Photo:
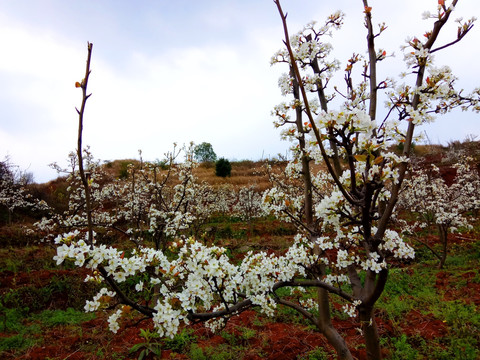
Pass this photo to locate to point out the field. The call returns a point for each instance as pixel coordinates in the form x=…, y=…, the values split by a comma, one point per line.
x=424, y=312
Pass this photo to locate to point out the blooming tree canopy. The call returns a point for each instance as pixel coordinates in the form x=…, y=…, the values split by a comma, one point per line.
x=344, y=245
x=433, y=202
x=13, y=194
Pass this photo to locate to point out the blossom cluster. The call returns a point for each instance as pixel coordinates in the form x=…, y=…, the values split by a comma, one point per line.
x=13, y=192
x=428, y=195
x=200, y=279
x=154, y=201
x=248, y=204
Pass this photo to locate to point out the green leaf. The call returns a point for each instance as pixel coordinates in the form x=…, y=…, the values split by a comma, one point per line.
x=136, y=347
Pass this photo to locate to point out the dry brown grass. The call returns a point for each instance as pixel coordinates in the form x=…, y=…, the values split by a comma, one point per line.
x=244, y=173
x=116, y=167
x=425, y=150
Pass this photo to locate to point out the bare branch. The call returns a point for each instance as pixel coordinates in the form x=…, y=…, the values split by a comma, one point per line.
x=86, y=186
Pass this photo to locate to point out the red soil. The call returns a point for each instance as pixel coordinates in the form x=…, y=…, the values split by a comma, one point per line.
x=272, y=340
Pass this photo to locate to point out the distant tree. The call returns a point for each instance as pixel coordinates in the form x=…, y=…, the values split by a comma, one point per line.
x=248, y=205
x=434, y=203
x=204, y=152
x=223, y=167
x=13, y=194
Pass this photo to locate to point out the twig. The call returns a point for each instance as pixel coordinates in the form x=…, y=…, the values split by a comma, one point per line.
x=81, y=112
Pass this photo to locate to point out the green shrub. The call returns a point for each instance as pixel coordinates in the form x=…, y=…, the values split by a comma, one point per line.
x=180, y=341
x=18, y=342
x=223, y=167
x=403, y=350
x=149, y=346
x=317, y=354
x=30, y=297
x=223, y=352
x=123, y=172
x=60, y=293
x=463, y=349
x=60, y=317
x=196, y=353
x=224, y=233
x=11, y=319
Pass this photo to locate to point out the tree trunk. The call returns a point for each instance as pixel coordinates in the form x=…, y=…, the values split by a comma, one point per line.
x=370, y=332
x=338, y=343
x=443, y=232
x=325, y=326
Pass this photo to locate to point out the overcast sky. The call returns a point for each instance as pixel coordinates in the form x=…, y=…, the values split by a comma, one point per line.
x=180, y=71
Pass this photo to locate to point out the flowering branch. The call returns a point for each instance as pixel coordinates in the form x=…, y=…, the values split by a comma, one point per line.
x=422, y=54
x=296, y=71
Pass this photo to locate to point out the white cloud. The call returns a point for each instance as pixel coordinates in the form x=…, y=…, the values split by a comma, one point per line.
x=37, y=92
x=200, y=94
